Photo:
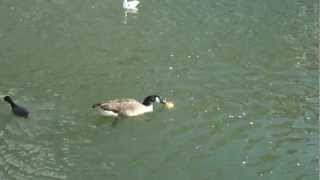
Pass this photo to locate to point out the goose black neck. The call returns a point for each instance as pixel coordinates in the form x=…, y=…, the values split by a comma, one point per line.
x=147, y=102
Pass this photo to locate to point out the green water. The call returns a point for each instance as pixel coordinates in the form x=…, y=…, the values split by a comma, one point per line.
x=243, y=76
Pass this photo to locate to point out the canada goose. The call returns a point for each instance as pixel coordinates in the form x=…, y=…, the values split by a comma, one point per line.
x=130, y=5
x=16, y=109
x=128, y=107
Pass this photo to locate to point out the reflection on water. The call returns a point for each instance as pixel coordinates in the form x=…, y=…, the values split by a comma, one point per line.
x=127, y=13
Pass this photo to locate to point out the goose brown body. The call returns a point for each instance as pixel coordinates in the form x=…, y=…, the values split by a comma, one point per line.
x=123, y=107
x=128, y=107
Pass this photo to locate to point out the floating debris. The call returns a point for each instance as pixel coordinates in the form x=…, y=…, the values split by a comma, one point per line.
x=230, y=116
x=169, y=104
x=298, y=164
x=198, y=147
x=92, y=126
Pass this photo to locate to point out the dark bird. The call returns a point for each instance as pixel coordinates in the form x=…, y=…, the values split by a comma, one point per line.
x=16, y=109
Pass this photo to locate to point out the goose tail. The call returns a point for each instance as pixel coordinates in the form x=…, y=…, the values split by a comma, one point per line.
x=96, y=105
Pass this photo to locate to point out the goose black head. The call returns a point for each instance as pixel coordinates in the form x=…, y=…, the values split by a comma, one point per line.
x=152, y=99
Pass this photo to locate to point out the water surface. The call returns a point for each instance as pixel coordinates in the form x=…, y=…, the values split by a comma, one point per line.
x=242, y=74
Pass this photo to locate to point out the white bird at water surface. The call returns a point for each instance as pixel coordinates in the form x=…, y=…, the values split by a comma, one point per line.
x=130, y=5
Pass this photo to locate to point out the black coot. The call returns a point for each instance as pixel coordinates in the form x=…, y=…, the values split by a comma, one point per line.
x=16, y=109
